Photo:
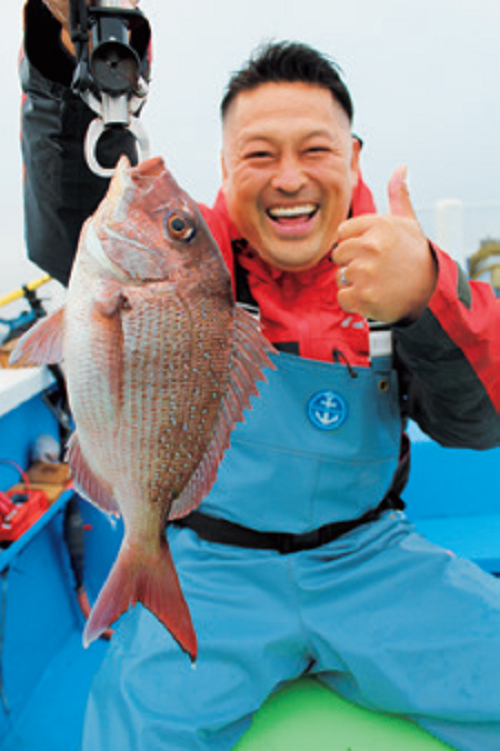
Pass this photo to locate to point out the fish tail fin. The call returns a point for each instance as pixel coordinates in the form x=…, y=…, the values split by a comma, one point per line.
x=152, y=582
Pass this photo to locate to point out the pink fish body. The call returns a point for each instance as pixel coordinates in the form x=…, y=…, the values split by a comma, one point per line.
x=159, y=364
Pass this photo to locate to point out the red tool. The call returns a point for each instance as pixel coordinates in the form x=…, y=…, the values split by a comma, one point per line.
x=20, y=510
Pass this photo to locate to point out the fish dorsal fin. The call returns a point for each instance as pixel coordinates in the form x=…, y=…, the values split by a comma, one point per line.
x=42, y=343
x=86, y=483
x=250, y=355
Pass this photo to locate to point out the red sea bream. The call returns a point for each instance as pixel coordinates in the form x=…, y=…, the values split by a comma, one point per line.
x=160, y=364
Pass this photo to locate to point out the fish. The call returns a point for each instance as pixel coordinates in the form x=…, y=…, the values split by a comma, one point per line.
x=160, y=364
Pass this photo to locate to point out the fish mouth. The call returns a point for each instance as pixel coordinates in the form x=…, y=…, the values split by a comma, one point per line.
x=297, y=213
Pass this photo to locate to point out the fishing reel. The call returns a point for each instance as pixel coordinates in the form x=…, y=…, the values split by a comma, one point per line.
x=110, y=42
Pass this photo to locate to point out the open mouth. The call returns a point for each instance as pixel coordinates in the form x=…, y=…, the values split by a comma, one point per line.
x=293, y=214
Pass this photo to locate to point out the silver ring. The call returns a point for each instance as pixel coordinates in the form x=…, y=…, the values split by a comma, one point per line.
x=342, y=276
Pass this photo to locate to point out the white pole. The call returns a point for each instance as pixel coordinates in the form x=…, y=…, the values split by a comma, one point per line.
x=449, y=228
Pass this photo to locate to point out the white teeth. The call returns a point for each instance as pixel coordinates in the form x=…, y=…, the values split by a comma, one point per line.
x=292, y=211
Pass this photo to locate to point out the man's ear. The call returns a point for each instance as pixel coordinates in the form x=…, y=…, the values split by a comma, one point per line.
x=223, y=167
x=356, y=150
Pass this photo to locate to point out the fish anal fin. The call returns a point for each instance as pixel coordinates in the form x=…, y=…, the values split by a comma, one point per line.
x=251, y=350
x=86, y=483
x=42, y=343
x=149, y=578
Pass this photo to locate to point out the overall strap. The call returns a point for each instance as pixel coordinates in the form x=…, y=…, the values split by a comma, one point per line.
x=224, y=532
x=380, y=340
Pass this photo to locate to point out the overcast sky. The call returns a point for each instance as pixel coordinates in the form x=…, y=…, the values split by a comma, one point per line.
x=424, y=76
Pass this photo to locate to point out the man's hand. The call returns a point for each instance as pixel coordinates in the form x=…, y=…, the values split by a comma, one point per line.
x=386, y=268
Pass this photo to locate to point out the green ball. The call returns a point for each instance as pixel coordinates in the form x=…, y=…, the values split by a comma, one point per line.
x=306, y=715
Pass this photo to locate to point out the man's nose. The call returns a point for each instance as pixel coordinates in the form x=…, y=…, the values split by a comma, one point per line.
x=289, y=176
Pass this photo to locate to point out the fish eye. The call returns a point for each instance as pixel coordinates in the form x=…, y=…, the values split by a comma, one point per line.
x=180, y=227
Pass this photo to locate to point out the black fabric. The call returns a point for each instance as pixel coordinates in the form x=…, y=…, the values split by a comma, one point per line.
x=223, y=532
x=43, y=44
x=440, y=390
x=291, y=348
x=243, y=292
x=60, y=191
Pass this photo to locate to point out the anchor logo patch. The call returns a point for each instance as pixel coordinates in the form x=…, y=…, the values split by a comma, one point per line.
x=327, y=410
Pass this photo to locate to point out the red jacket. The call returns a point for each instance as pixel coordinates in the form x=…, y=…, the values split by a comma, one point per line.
x=298, y=309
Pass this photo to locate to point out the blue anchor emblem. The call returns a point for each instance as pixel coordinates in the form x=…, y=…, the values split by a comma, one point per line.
x=327, y=410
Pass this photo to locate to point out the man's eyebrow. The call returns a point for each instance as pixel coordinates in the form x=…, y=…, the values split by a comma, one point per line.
x=321, y=133
x=259, y=135
x=250, y=138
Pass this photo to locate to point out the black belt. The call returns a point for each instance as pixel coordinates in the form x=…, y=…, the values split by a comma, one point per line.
x=225, y=532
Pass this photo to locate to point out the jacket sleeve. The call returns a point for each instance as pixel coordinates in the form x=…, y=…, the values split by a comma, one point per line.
x=60, y=191
x=449, y=362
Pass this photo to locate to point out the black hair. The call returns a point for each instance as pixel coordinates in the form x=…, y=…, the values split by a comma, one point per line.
x=291, y=62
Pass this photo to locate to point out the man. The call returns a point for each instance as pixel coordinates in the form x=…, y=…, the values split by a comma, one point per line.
x=300, y=559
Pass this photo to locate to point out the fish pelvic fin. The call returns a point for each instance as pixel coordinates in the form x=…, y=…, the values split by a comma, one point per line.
x=148, y=578
x=85, y=481
x=42, y=343
x=250, y=355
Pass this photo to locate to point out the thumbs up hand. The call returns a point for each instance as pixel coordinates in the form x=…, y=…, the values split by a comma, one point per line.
x=386, y=268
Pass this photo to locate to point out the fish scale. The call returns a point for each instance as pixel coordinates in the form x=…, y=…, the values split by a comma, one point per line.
x=168, y=417
x=160, y=365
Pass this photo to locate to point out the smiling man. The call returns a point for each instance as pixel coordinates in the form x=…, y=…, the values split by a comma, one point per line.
x=301, y=560
x=289, y=167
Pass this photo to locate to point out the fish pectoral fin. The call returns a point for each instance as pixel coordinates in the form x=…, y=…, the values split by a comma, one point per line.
x=109, y=298
x=108, y=317
x=86, y=483
x=42, y=343
x=148, y=578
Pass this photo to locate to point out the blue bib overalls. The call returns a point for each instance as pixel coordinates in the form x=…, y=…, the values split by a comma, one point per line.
x=379, y=614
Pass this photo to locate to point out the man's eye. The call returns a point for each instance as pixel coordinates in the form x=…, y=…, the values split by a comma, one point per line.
x=258, y=155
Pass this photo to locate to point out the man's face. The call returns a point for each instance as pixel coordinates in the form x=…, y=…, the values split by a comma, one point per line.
x=289, y=165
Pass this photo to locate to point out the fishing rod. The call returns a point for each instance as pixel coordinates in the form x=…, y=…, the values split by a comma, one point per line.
x=110, y=41
x=11, y=328
x=21, y=292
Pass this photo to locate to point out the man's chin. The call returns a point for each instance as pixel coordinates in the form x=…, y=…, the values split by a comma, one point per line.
x=292, y=261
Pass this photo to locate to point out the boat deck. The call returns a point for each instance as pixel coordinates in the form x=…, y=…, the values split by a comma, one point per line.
x=45, y=671
x=53, y=715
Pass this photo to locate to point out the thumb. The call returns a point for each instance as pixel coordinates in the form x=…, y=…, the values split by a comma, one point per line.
x=399, y=195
